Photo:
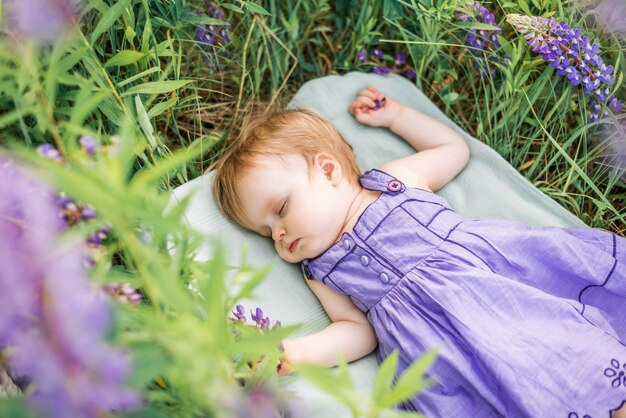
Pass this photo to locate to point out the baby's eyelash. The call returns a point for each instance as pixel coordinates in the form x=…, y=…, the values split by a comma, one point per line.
x=282, y=208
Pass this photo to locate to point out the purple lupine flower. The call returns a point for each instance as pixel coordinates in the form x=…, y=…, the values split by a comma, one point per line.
x=87, y=212
x=41, y=20
x=50, y=152
x=240, y=313
x=211, y=35
x=52, y=318
x=480, y=41
x=362, y=56
x=261, y=322
x=573, y=56
x=124, y=292
x=378, y=104
x=378, y=53
x=400, y=58
x=381, y=70
x=410, y=74
x=89, y=144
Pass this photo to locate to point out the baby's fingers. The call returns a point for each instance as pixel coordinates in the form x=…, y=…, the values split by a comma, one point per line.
x=363, y=116
x=367, y=102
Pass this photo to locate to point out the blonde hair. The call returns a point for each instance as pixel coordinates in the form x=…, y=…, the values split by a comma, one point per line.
x=277, y=133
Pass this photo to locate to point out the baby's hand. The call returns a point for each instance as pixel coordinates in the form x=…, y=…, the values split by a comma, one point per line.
x=374, y=109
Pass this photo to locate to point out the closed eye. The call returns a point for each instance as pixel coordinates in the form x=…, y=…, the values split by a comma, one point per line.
x=282, y=208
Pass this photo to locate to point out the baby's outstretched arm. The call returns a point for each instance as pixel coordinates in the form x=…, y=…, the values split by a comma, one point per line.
x=442, y=151
x=350, y=335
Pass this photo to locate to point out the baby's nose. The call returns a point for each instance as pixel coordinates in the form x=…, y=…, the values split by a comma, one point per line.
x=279, y=234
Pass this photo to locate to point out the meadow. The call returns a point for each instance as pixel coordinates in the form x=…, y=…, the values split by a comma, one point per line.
x=106, y=106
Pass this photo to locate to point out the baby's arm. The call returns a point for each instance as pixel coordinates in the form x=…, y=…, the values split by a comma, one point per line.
x=442, y=151
x=350, y=335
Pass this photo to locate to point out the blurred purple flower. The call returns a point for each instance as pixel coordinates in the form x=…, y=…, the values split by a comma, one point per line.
x=260, y=321
x=381, y=70
x=99, y=236
x=89, y=144
x=52, y=318
x=262, y=401
x=88, y=212
x=240, y=313
x=50, y=152
x=124, y=292
x=41, y=20
x=483, y=43
x=573, y=56
x=612, y=14
x=379, y=63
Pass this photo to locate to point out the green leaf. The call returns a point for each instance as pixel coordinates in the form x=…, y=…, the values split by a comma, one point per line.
x=124, y=57
x=146, y=178
x=157, y=87
x=477, y=25
x=412, y=380
x=86, y=104
x=232, y=7
x=108, y=19
x=144, y=122
x=206, y=20
x=138, y=76
x=255, y=8
x=385, y=376
x=130, y=34
x=161, y=107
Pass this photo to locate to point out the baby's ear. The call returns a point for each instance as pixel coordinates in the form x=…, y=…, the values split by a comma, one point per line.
x=330, y=167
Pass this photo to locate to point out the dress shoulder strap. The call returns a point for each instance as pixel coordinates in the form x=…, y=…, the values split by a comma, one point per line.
x=380, y=181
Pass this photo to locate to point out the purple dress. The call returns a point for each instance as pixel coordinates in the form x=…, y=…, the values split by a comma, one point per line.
x=528, y=322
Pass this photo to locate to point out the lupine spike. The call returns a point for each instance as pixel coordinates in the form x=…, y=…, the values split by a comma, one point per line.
x=50, y=315
x=573, y=56
x=479, y=40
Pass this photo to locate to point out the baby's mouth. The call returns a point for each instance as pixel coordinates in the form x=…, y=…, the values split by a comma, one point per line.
x=294, y=245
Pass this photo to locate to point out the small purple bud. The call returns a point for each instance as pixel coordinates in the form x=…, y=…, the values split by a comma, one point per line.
x=49, y=151
x=88, y=212
x=240, y=313
x=615, y=105
x=410, y=74
x=89, y=144
x=400, y=58
x=362, y=56
x=381, y=70
x=257, y=315
x=378, y=53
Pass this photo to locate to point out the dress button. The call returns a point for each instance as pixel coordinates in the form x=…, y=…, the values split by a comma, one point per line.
x=365, y=260
x=384, y=277
x=394, y=186
x=347, y=244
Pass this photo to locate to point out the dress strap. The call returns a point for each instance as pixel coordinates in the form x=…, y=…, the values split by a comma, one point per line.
x=381, y=182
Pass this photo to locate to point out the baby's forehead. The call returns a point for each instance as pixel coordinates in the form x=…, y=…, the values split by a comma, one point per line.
x=278, y=162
